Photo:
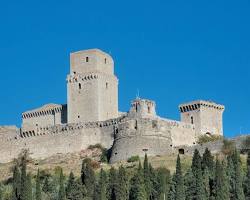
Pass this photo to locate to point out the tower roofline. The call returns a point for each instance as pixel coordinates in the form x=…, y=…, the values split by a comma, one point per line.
x=94, y=50
x=193, y=105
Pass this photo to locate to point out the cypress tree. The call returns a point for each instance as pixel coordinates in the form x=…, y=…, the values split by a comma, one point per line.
x=190, y=185
x=155, y=183
x=28, y=188
x=247, y=181
x=38, y=186
x=61, y=193
x=231, y=176
x=88, y=177
x=239, y=193
x=70, y=184
x=206, y=183
x=138, y=191
x=23, y=180
x=221, y=183
x=101, y=187
x=122, y=187
x=236, y=177
x=180, y=192
x=1, y=192
x=112, y=184
x=208, y=161
x=74, y=188
x=147, y=175
x=161, y=186
x=199, y=192
x=16, y=185
x=172, y=189
x=47, y=186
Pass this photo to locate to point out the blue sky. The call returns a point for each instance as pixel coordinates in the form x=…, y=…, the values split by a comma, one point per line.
x=171, y=51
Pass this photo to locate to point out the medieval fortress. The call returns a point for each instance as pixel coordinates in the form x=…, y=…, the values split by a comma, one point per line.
x=91, y=116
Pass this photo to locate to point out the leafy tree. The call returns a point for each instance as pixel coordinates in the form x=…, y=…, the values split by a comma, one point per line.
x=16, y=185
x=221, y=182
x=38, y=186
x=180, y=192
x=122, y=187
x=138, y=191
x=88, y=177
x=61, y=193
x=247, y=181
x=112, y=184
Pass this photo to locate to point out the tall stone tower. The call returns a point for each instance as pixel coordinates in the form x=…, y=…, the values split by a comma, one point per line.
x=207, y=117
x=92, y=87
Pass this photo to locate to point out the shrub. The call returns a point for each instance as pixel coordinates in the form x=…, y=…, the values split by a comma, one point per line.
x=96, y=146
x=133, y=159
x=228, y=147
x=209, y=138
x=246, y=145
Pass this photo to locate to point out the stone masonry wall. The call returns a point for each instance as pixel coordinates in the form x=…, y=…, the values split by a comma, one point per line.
x=63, y=139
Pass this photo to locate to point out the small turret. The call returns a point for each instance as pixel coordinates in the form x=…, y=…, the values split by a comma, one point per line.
x=142, y=108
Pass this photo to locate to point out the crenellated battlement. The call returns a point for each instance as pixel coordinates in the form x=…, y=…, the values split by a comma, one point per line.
x=48, y=109
x=195, y=105
x=59, y=129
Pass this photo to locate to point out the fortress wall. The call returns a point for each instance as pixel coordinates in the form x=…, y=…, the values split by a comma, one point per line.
x=140, y=136
x=212, y=121
x=42, y=120
x=48, y=115
x=57, y=139
x=155, y=136
x=181, y=133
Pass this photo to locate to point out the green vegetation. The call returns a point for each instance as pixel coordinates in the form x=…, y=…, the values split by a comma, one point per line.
x=207, y=178
x=133, y=159
x=228, y=147
x=209, y=138
x=246, y=144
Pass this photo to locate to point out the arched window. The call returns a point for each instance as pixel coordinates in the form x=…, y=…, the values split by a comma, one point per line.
x=105, y=60
x=107, y=85
x=80, y=86
x=87, y=59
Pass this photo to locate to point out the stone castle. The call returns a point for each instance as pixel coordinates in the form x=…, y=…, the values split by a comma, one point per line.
x=91, y=116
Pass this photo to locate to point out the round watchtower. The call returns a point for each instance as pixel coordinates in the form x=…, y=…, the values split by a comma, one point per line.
x=142, y=108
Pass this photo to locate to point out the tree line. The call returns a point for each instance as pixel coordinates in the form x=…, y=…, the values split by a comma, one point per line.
x=208, y=178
